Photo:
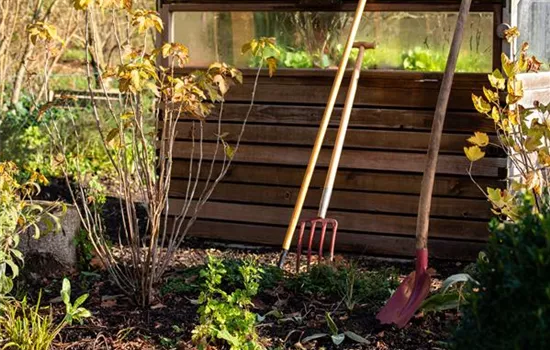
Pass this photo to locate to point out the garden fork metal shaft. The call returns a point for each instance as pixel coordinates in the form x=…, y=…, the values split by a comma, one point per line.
x=332, y=170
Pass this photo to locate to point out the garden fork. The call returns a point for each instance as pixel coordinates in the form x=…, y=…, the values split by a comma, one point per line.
x=321, y=133
x=321, y=220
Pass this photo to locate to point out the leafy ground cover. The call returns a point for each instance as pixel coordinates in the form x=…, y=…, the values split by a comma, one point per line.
x=289, y=308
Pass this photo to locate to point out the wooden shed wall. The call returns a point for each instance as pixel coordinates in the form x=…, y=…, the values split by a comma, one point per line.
x=377, y=187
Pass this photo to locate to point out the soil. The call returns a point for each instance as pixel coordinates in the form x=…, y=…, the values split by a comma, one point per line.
x=118, y=324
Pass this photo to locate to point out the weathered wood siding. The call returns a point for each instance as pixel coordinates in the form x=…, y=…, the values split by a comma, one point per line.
x=377, y=187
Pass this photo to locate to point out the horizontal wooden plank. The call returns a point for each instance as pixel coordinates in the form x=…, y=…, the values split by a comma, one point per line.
x=375, y=88
x=347, y=179
x=341, y=200
x=361, y=117
x=367, y=160
x=367, y=95
x=356, y=222
x=371, y=244
x=305, y=136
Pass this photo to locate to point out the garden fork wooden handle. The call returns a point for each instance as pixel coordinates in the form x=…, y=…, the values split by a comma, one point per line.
x=342, y=130
x=322, y=131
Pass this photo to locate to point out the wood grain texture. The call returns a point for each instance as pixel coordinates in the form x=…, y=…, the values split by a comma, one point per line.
x=276, y=135
x=361, y=117
x=347, y=179
x=341, y=200
x=351, y=159
x=356, y=222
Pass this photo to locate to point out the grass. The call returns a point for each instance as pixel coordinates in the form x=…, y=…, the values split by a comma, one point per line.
x=68, y=82
x=74, y=55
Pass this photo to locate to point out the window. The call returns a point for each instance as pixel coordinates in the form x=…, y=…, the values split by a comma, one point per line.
x=405, y=40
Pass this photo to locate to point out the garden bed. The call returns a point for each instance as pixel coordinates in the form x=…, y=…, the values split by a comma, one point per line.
x=300, y=303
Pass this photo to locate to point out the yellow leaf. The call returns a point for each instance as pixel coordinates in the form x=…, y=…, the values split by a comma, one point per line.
x=534, y=181
x=271, y=65
x=515, y=91
x=511, y=34
x=495, y=196
x=81, y=4
x=146, y=19
x=497, y=80
x=480, y=104
x=474, y=153
x=544, y=157
x=491, y=95
x=480, y=139
x=495, y=114
x=510, y=67
x=532, y=143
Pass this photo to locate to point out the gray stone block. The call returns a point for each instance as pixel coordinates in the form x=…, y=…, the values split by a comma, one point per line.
x=54, y=253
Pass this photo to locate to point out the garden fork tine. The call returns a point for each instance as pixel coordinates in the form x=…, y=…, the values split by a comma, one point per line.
x=333, y=169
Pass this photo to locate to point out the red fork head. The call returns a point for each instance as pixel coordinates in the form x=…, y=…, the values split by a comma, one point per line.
x=314, y=225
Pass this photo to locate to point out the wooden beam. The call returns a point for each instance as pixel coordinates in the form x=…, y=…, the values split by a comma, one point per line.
x=347, y=179
x=348, y=221
x=341, y=200
x=351, y=159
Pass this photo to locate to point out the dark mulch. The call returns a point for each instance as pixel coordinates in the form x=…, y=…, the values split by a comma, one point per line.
x=118, y=324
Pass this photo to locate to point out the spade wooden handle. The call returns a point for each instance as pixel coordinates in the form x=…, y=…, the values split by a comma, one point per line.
x=424, y=205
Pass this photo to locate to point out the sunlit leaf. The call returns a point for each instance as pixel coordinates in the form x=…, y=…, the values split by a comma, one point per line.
x=497, y=80
x=495, y=114
x=480, y=104
x=474, y=153
x=147, y=19
x=511, y=33
x=81, y=4
x=532, y=143
x=515, y=91
x=480, y=139
x=509, y=67
x=490, y=95
x=271, y=65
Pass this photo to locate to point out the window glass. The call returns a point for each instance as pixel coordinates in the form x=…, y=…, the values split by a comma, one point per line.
x=405, y=40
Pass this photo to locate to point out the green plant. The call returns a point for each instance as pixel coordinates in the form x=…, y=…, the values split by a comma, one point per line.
x=188, y=282
x=451, y=295
x=24, y=327
x=190, y=279
x=511, y=307
x=335, y=335
x=420, y=59
x=225, y=316
x=347, y=283
x=17, y=214
x=522, y=132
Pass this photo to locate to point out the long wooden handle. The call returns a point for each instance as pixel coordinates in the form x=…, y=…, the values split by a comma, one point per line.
x=323, y=126
x=424, y=206
x=342, y=130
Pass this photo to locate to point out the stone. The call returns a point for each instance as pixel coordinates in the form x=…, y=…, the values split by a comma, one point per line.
x=54, y=253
